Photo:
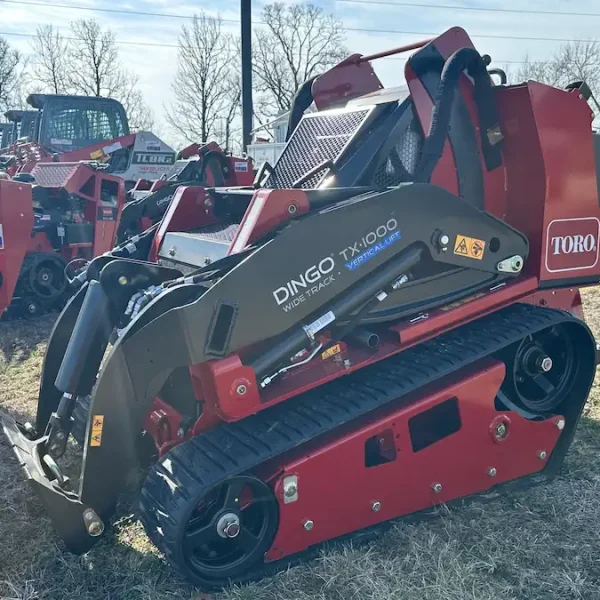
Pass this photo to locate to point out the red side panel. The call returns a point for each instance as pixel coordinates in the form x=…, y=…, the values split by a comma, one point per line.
x=267, y=210
x=525, y=174
x=551, y=181
x=241, y=172
x=107, y=215
x=16, y=223
x=190, y=208
x=413, y=473
x=571, y=227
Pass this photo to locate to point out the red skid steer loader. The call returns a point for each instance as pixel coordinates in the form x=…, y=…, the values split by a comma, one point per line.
x=395, y=305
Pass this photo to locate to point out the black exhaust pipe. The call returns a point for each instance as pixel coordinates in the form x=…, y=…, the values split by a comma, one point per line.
x=354, y=298
x=366, y=338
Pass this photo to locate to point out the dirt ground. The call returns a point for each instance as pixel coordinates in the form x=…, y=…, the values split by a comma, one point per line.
x=538, y=545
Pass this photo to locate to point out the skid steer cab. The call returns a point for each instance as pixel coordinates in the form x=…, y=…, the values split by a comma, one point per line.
x=394, y=302
x=82, y=128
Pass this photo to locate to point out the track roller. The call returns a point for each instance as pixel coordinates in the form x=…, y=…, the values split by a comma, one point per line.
x=211, y=537
x=544, y=367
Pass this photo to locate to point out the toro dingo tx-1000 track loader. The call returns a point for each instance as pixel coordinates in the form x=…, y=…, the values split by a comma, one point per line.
x=396, y=305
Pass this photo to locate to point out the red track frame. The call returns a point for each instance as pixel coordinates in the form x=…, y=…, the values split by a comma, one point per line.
x=336, y=470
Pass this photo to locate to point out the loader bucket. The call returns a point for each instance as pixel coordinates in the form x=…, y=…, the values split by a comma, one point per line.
x=16, y=224
x=67, y=513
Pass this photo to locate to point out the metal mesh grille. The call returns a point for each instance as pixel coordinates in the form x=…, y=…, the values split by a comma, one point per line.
x=221, y=232
x=405, y=153
x=53, y=174
x=316, y=139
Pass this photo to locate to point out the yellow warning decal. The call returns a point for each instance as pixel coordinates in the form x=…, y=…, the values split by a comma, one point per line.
x=97, y=425
x=331, y=352
x=469, y=247
x=96, y=155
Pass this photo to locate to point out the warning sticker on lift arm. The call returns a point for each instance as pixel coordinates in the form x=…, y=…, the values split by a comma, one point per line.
x=469, y=247
x=97, y=425
x=331, y=352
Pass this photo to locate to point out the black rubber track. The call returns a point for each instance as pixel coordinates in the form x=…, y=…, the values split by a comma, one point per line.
x=189, y=471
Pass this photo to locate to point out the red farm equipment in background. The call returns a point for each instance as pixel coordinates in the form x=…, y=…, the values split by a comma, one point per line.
x=81, y=128
x=71, y=213
x=81, y=212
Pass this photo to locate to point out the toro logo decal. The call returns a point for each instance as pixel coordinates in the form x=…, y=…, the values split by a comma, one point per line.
x=572, y=244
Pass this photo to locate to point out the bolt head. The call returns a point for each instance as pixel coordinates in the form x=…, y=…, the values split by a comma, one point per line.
x=241, y=389
x=60, y=435
x=516, y=264
x=436, y=487
x=444, y=240
x=208, y=202
x=123, y=280
x=376, y=506
x=95, y=528
x=93, y=524
x=231, y=530
x=308, y=525
x=560, y=423
x=290, y=489
x=546, y=364
x=54, y=450
x=292, y=209
x=492, y=472
x=501, y=431
x=542, y=455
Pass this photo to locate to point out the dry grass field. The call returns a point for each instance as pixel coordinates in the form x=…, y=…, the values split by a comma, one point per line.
x=543, y=544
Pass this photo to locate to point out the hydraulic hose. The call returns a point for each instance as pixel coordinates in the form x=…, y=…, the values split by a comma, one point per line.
x=465, y=58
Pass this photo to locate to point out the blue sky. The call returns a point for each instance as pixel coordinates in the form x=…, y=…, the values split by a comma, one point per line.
x=156, y=65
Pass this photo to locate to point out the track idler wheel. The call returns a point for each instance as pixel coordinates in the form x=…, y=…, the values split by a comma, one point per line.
x=541, y=370
x=31, y=307
x=222, y=535
x=47, y=278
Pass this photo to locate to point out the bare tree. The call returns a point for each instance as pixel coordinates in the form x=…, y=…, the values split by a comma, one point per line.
x=95, y=68
x=206, y=95
x=299, y=41
x=12, y=65
x=50, y=59
x=572, y=61
x=139, y=114
x=234, y=95
x=88, y=63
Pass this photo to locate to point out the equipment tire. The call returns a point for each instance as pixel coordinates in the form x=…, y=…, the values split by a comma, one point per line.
x=182, y=519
